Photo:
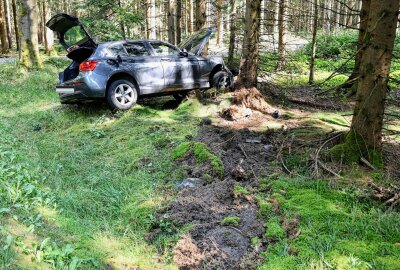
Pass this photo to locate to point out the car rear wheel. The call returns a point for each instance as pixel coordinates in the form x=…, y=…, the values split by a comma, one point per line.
x=122, y=95
x=221, y=81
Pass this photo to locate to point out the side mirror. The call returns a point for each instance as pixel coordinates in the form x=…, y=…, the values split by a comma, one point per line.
x=119, y=59
x=184, y=53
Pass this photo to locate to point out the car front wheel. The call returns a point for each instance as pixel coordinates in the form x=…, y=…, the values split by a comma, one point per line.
x=122, y=95
x=221, y=81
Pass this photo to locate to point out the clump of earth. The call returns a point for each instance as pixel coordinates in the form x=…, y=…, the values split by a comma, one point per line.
x=210, y=244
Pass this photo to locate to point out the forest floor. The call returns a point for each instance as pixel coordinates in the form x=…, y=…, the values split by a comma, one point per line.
x=87, y=189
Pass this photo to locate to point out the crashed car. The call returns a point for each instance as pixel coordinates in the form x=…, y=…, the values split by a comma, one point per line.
x=122, y=71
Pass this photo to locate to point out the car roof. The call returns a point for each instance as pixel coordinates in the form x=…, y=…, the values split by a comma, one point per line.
x=113, y=43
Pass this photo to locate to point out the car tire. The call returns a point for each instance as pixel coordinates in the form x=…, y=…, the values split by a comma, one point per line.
x=180, y=96
x=122, y=95
x=221, y=81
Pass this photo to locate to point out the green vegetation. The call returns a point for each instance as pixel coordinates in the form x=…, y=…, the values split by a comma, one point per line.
x=353, y=148
x=274, y=228
x=230, y=221
x=79, y=186
x=240, y=191
x=201, y=154
x=339, y=229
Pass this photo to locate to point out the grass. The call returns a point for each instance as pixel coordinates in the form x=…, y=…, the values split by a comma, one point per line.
x=339, y=230
x=87, y=180
x=80, y=187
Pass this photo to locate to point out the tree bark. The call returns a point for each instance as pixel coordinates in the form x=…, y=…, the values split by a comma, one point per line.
x=220, y=28
x=16, y=25
x=8, y=23
x=249, y=59
x=282, y=34
x=29, y=56
x=190, y=17
x=314, y=42
x=364, y=15
x=153, y=28
x=178, y=21
x=171, y=21
x=374, y=75
x=3, y=29
x=201, y=14
x=232, y=34
x=48, y=33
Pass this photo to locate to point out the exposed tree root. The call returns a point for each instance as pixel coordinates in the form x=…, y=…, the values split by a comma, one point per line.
x=389, y=195
x=253, y=99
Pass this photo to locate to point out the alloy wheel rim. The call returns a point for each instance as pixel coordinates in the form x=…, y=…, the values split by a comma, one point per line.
x=223, y=83
x=125, y=95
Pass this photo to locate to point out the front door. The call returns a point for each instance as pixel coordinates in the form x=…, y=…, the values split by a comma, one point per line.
x=179, y=71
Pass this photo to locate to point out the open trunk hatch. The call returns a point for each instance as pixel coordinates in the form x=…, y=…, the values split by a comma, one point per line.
x=73, y=36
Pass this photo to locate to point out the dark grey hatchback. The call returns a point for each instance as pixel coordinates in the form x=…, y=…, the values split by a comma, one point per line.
x=122, y=71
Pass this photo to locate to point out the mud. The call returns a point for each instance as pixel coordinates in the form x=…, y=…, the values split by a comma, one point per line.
x=210, y=245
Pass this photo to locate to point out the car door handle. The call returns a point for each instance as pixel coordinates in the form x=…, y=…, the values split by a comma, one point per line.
x=166, y=59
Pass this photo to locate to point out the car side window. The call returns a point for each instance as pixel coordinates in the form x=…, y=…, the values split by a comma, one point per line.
x=164, y=49
x=118, y=50
x=136, y=49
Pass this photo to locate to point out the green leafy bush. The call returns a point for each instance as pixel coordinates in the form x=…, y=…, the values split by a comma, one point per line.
x=340, y=45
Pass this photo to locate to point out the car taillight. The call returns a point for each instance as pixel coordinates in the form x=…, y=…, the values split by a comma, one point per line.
x=88, y=65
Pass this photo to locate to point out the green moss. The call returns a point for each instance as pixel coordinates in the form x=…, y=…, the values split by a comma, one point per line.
x=239, y=191
x=263, y=184
x=255, y=241
x=265, y=208
x=181, y=150
x=201, y=154
x=230, y=221
x=274, y=229
x=354, y=148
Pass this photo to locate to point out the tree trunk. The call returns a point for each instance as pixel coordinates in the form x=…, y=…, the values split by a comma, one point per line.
x=121, y=22
x=8, y=23
x=201, y=15
x=190, y=17
x=366, y=128
x=48, y=34
x=3, y=29
x=282, y=34
x=171, y=21
x=328, y=15
x=262, y=18
x=364, y=15
x=276, y=18
x=232, y=34
x=178, y=21
x=249, y=59
x=29, y=46
x=152, y=18
x=314, y=41
x=16, y=26
x=337, y=16
x=219, y=23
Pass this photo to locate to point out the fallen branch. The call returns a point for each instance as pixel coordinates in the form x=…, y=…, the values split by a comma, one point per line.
x=389, y=195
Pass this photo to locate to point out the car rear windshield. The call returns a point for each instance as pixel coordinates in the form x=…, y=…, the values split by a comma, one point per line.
x=75, y=36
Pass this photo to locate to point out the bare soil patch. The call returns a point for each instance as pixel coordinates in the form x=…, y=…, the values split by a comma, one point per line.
x=210, y=245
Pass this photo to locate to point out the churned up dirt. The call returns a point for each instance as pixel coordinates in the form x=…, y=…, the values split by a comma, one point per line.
x=209, y=244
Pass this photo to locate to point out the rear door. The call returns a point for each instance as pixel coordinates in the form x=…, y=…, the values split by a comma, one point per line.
x=179, y=71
